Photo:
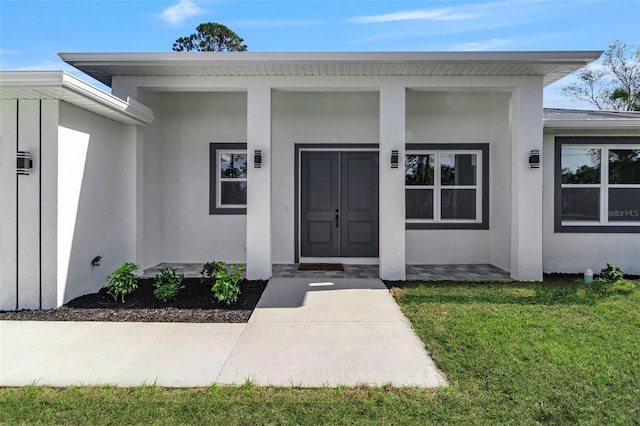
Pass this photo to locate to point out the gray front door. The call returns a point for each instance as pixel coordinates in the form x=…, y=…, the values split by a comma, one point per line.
x=339, y=204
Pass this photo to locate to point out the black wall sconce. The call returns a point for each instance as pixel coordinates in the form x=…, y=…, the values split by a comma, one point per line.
x=395, y=158
x=257, y=159
x=24, y=163
x=534, y=159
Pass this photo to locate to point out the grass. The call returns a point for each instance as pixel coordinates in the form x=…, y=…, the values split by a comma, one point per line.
x=515, y=353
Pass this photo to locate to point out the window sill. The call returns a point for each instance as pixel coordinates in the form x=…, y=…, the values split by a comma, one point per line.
x=443, y=225
x=234, y=210
x=597, y=229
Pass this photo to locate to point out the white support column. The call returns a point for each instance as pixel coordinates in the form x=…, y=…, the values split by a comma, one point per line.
x=259, y=183
x=526, y=183
x=138, y=243
x=392, y=210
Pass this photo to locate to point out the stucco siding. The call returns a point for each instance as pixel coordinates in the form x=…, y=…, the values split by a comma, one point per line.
x=177, y=174
x=96, y=199
x=575, y=252
x=464, y=117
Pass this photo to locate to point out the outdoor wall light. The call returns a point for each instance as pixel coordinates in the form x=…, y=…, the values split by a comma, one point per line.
x=394, y=159
x=24, y=163
x=534, y=159
x=257, y=159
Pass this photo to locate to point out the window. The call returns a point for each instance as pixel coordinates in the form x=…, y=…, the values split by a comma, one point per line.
x=597, y=184
x=444, y=186
x=228, y=179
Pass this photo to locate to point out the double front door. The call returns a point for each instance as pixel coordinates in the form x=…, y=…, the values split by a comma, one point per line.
x=339, y=204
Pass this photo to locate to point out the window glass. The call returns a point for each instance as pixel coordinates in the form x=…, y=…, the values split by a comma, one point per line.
x=233, y=165
x=624, y=204
x=581, y=204
x=624, y=166
x=458, y=169
x=581, y=165
x=458, y=204
x=419, y=203
x=233, y=193
x=419, y=169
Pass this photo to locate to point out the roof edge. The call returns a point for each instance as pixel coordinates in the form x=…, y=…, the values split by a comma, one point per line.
x=579, y=56
x=62, y=82
x=601, y=123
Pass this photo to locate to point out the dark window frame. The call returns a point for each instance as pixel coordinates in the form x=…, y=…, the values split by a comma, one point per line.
x=596, y=141
x=484, y=184
x=214, y=177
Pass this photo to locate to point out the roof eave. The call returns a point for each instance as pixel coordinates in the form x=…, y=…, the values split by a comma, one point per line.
x=66, y=87
x=564, y=62
x=592, y=124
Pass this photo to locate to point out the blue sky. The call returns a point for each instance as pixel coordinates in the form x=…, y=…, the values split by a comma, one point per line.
x=33, y=32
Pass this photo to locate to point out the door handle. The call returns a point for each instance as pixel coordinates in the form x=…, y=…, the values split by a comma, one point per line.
x=337, y=219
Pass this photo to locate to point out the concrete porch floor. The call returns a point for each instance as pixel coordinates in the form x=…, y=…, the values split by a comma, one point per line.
x=482, y=272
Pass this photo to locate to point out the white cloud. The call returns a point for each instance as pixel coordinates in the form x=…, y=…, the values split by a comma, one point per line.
x=279, y=23
x=44, y=65
x=9, y=51
x=477, y=46
x=445, y=14
x=181, y=11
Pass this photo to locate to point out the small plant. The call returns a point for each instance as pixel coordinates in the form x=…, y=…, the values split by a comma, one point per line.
x=226, y=288
x=224, y=284
x=123, y=281
x=167, y=284
x=611, y=281
x=210, y=272
x=611, y=274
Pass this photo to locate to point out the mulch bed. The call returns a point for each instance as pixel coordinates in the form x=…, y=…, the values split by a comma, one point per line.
x=195, y=303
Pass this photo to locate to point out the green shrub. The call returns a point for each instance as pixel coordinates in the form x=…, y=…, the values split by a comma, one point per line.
x=611, y=274
x=167, y=284
x=123, y=281
x=210, y=272
x=611, y=281
x=224, y=284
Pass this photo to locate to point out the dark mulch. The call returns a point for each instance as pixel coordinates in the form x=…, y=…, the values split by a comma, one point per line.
x=195, y=303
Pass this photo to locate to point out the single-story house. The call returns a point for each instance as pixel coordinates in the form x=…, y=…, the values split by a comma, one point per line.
x=267, y=158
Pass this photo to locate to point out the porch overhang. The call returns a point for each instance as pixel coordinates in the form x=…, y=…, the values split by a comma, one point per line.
x=552, y=66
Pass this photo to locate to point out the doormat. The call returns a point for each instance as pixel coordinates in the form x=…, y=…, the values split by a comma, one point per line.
x=320, y=267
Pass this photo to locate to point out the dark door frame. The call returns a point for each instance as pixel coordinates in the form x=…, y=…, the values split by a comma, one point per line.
x=317, y=147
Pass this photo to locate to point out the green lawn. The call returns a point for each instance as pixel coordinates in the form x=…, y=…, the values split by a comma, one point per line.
x=517, y=353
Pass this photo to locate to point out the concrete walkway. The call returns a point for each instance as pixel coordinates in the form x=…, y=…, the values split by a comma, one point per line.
x=302, y=333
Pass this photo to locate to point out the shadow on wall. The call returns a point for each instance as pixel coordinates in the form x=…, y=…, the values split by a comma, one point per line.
x=96, y=201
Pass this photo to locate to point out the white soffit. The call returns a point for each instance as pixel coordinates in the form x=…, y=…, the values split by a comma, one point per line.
x=551, y=65
x=62, y=86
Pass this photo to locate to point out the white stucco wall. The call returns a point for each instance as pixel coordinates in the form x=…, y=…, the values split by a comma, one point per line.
x=311, y=118
x=464, y=117
x=575, y=252
x=96, y=199
x=177, y=223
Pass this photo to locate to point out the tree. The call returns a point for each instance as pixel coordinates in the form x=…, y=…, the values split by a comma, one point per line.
x=617, y=86
x=211, y=37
